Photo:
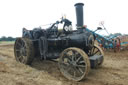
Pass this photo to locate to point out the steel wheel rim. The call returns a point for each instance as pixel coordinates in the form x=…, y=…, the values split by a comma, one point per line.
x=96, y=51
x=73, y=69
x=20, y=50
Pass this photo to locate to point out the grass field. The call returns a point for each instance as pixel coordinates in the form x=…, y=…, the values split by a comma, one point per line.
x=7, y=42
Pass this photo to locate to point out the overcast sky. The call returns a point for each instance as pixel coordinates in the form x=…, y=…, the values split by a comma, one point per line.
x=16, y=14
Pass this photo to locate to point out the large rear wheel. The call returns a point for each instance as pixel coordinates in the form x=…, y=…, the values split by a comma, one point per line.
x=24, y=50
x=74, y=64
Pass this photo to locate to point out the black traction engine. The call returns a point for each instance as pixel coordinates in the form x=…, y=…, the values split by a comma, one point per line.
x=75, y=50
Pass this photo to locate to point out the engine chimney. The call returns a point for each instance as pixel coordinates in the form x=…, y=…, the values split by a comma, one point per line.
x=79, y=15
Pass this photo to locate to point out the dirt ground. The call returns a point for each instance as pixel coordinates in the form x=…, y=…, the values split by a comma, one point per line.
x=113, y=72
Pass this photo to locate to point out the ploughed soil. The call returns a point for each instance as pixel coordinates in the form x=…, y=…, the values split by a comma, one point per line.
x=114, y=71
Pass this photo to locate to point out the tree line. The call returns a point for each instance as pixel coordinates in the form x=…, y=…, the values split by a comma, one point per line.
x=4, y=38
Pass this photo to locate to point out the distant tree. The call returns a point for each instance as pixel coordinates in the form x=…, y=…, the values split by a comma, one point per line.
x=4, y=38
x=118, y=34
x=10, y=39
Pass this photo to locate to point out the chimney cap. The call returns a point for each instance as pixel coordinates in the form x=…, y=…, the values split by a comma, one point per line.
x=79, y=4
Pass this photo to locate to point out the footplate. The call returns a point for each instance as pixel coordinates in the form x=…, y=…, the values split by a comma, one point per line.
x=95, y=60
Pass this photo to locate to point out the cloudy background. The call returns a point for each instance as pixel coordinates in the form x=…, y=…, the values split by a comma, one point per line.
x=16, y=14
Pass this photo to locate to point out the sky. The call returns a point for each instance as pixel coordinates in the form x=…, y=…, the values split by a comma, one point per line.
x=16, y=14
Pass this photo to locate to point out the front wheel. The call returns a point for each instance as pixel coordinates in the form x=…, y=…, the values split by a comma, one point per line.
x=74, y=64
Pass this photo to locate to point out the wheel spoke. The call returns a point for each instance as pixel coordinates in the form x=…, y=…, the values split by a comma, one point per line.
x=23, y=60
x=80, y=70
x=23, y=44
x=65, y=63
x=90, y=53
x=67, y=57
x=20, y=58
x=72, y=58
x=93, y=49
x=96, y=52
x=73, y=55
x=19, y=44
x=78, y=59
x=24, y=52
x=81, y=62
x=69, y=68
x=74, y=74
x=77, y=72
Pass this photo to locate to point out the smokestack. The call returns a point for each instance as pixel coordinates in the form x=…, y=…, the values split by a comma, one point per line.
x=79, y=15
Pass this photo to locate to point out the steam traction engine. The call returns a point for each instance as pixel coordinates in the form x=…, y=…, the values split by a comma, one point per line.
x=75, y=49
